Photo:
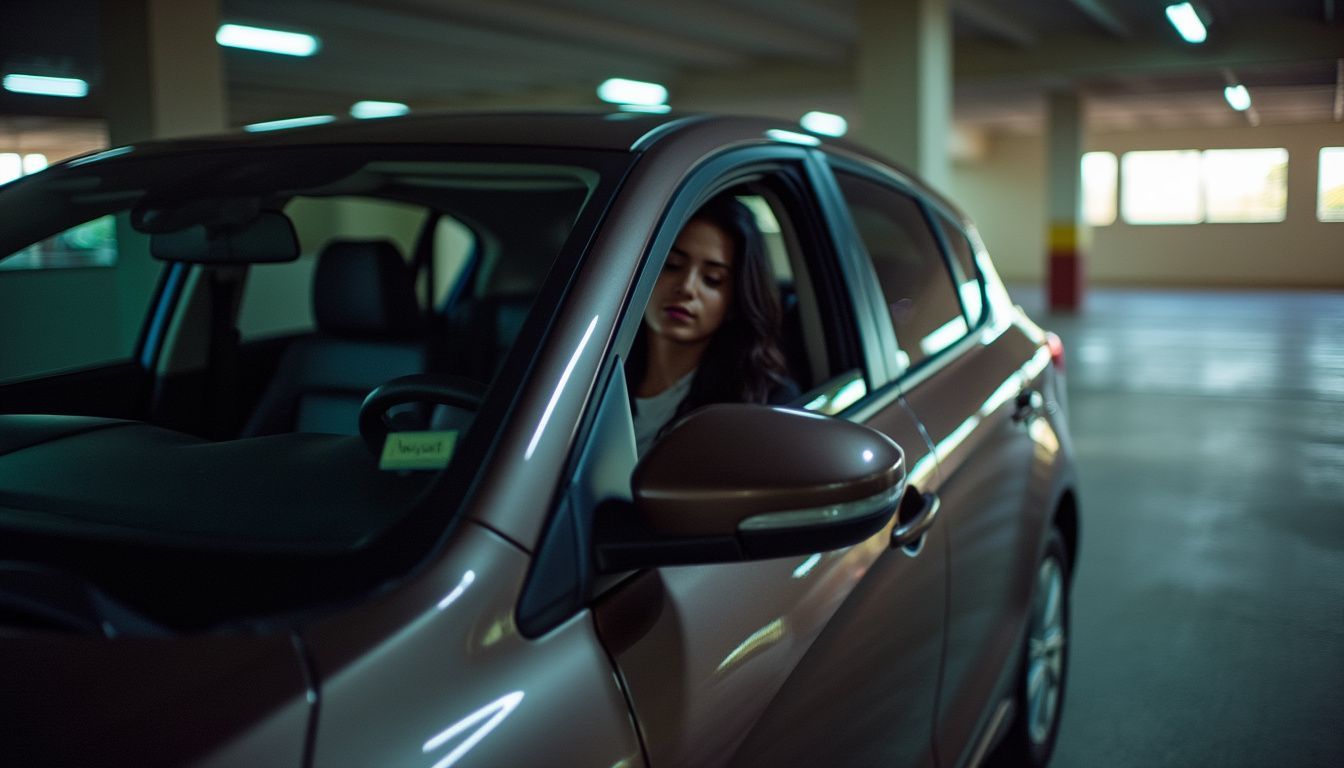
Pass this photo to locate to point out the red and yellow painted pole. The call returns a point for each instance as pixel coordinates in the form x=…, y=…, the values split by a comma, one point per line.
x=1064, y=152
x=1065, y=267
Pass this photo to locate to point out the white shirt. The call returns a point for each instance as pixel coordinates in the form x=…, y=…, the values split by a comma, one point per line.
x=651, y=413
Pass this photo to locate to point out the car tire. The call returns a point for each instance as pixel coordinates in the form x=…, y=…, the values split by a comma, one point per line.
x=1039, y=690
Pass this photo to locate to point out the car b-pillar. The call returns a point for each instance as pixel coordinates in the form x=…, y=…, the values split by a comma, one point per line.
x=1066, y=228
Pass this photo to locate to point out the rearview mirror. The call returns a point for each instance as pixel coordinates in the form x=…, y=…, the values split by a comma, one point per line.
x=749, y=482
x=267, y=237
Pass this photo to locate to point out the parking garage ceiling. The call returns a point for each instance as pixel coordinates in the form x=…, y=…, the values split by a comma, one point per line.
x=775, y=56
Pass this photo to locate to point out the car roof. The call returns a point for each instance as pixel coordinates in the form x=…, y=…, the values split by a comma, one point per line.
x=593, y=129
x=611, y=130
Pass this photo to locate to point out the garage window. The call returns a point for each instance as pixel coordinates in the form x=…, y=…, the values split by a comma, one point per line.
x=1330, y=185
x=1100, y=179
x=1245, y=185
x=1161, y=187
x=1217, y=186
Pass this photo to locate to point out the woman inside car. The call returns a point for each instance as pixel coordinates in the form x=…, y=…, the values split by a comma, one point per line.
x=711, y=327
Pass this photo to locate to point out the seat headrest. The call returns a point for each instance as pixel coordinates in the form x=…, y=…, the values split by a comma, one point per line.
x=364, y=288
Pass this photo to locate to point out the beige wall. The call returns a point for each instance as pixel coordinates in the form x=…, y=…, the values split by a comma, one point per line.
x=1005, y=193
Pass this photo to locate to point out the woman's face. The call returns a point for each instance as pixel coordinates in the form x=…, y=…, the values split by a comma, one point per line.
x=694, y=292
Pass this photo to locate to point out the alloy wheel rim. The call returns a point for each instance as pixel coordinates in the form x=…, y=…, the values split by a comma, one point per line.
x=1045, y=651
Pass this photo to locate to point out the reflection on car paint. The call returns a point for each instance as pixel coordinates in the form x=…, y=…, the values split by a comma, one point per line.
x=791, y=137
x=493, y=714
x=497, y=630
x=943, y=336
x=101, y=156
x=948, y=445
x=1046, y=442
x=1036, y=365
x=467, y=579
x=806, y=566
x=840, y=398
x=755, y=643
x=1006, y=391
x=560, y=388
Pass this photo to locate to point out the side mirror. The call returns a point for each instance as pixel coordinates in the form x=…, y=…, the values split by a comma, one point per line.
x=750, y=482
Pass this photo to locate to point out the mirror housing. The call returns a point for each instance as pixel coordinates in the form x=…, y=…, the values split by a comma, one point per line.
x=749, y=482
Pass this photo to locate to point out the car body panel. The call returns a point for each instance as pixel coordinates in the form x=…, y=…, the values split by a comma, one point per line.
x=436, y=673
x=206, y=699
x=868, y=680
x=985, y=462
x=715, y=665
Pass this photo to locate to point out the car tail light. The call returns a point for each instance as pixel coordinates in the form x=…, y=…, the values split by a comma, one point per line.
x=1056, y=350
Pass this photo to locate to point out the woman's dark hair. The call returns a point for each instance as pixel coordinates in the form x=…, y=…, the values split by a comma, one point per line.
x=743, y=362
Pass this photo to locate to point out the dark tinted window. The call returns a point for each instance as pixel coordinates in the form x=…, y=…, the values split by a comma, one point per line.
x=969, y=278
x=909, y=265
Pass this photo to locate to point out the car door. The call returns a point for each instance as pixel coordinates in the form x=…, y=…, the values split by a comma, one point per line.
x=830, y=658
x=964, y=381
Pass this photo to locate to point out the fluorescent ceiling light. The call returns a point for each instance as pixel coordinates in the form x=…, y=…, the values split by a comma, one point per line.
x=825, y=123
x=69, y=87
x=1186, y=21
x=1238, y=97
x=621, y=91
x=268, y=40
x=368, y=109
x=292, y=122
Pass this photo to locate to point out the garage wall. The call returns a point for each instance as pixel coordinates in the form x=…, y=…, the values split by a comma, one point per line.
x=1005, y=193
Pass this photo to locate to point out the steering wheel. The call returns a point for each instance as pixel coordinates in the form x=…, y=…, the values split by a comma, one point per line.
x=439, y=389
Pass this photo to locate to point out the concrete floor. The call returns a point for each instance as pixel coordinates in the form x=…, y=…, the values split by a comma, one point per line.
x=1208, y=624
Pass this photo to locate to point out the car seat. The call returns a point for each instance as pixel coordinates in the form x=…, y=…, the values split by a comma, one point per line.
x=369, y=330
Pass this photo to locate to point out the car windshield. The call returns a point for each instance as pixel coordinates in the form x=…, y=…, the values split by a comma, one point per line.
x=190, y=337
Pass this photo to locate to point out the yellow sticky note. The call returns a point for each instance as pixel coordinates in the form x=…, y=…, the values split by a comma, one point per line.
x=418, y=450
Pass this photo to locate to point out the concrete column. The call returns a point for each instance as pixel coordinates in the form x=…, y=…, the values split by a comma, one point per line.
x=163, y=76
x=905, y=83
x=1067, y=231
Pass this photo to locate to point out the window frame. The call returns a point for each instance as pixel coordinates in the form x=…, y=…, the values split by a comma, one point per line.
x=1202, y=188
x=571, y=509
x=1320, y=184
x=900, y=379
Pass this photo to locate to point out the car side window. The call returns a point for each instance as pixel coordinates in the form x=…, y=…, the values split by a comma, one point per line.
x=925, y=311
x=969, y=286
x=278, y=297
x=49, y=290
x=786, y=315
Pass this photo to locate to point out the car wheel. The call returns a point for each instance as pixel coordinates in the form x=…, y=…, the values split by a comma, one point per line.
x=1039, y=695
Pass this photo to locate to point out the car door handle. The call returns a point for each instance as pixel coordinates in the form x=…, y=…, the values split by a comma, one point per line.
x=918, y=511
x=1029, y=402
